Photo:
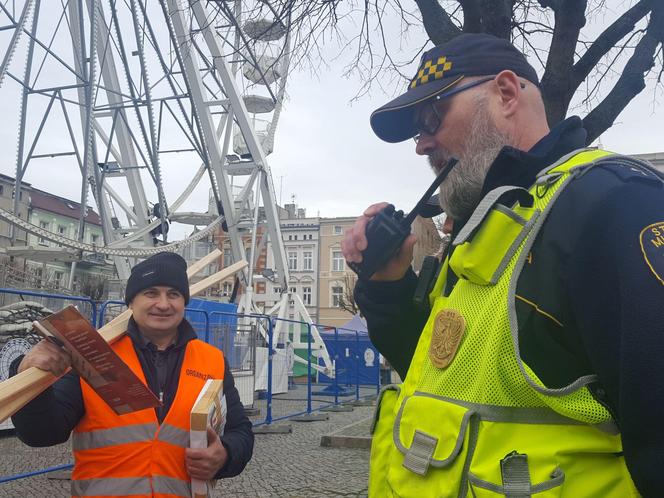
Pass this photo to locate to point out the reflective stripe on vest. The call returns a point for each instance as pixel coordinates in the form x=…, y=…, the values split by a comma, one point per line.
x=116, y=486
x=173, y=435
x=131, y=486
x=137, y=433
x=171, y=486
x=482, y=423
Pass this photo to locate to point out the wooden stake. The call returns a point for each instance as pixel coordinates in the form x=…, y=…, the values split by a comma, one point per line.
x=19, y=390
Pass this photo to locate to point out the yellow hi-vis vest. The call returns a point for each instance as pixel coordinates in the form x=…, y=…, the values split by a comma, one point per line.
x=481, y=424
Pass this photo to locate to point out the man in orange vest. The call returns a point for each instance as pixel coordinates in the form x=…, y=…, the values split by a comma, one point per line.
x=144, y=453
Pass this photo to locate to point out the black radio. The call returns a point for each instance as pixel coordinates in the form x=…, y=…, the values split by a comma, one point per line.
x=389, y=228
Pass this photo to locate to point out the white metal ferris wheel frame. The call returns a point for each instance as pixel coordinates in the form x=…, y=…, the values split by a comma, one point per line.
x=95, y=55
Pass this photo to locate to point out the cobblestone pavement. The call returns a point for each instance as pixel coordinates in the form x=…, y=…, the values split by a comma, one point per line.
x=284, y=465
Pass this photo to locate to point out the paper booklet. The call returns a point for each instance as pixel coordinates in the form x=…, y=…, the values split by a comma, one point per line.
x=209, y=409
x=96, y=362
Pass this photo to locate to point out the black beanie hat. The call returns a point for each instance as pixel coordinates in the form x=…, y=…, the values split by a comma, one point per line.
x=164, y=268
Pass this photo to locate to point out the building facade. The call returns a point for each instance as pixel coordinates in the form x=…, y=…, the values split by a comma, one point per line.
x=336, y=280
x=300, y=239
x=7, y=203
x=52, y=263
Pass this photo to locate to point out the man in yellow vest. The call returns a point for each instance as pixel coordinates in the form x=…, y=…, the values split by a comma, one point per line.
x=144, y=453
x=536, y=371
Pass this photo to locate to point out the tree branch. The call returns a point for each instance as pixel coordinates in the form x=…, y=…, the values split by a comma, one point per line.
x=608, y=39
x=437, y=22
x=472, y=16
x=556, y=83
x=496, y=17
x=632, y=79
x=554, y=5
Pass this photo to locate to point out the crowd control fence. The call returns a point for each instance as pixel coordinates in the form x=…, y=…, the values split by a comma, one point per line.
x=278, y=371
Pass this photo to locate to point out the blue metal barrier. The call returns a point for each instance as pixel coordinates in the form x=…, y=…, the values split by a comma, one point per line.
x=102, y=310
x=66, y=466
x=267, y=322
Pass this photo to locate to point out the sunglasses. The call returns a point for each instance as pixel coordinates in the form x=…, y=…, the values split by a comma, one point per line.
x=428, y=118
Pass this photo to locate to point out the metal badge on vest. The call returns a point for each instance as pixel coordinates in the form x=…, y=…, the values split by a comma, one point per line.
x=448, y=332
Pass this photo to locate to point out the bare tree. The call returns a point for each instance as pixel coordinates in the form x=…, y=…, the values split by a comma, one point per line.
x=628, y=50
x=346, y=300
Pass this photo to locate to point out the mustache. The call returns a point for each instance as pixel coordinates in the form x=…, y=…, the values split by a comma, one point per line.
x=438, y=159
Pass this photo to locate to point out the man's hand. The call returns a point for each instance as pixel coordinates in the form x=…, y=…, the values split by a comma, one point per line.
x=203, y=464
x=355, y=241
x=45, y=355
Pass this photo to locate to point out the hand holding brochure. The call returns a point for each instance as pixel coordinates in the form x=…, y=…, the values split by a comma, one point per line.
x=209, y=410
x=96, y=362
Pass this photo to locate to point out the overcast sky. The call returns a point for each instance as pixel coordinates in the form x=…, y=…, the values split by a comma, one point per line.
x=333, y=163
x=325, y=153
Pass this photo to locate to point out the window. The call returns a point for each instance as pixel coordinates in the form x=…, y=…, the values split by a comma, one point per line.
x=290, y=237
x=294, y=237
x=2, y=189
x=292, y=260
x=338, y=230
x=277, y=290
x=57, y=278
x=62, y=230
x=94, y=238
x=337, y=293
x=337, y=261
x=201, y=248
x=44, y=225
x=306, y=295
x=226, y=289
x=308, y=260
x=293, y=290
x=227, y=256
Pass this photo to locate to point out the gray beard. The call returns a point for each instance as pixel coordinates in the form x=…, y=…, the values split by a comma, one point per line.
x=460, y=192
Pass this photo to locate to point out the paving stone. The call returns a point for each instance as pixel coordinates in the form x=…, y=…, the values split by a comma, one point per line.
x=355, y=435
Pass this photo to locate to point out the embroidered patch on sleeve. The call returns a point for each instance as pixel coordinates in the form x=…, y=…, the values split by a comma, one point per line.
x=652, y=247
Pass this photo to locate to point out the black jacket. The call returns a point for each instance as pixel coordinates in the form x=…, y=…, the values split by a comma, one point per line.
x=590, y=299
x=50, y=418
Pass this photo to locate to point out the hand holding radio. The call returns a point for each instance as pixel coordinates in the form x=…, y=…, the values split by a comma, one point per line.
x=386, y=232
x=355, y=243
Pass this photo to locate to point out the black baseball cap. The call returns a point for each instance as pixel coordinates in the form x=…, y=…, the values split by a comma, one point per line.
x=442, y=67
x=164, y=268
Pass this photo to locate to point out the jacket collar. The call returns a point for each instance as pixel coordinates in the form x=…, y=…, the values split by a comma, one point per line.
x=517, y=167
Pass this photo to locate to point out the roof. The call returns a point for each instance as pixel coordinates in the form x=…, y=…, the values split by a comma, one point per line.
x=59, y=205
x=348, y=329
x=11, y=180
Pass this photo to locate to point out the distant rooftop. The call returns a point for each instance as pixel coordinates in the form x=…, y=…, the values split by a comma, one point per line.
x=59, y=205
x=655, y=158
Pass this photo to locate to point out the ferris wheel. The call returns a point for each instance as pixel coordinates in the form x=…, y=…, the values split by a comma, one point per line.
x=152, y=108
x=159, y=113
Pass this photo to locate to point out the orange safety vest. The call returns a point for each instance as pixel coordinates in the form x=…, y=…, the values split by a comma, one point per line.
x=131, y=454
